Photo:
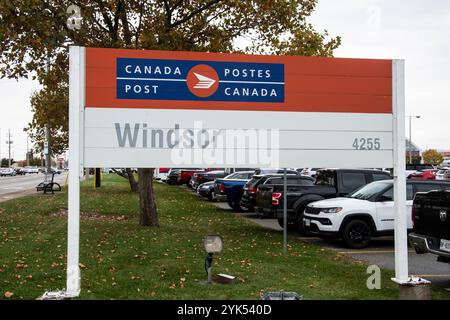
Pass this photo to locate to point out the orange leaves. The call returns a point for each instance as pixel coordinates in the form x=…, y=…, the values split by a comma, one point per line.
x=8, y=294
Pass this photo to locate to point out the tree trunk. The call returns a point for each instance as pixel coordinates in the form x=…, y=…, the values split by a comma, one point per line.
x=147, y=204
x=132, y=180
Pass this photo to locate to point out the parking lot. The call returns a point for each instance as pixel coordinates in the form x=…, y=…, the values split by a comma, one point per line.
x=380, y=252
x=12, y=187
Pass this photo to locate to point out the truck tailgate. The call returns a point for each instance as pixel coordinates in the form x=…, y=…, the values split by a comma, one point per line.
x=264, y=196
x=432, y=215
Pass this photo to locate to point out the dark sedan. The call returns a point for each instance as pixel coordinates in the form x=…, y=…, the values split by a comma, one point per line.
x=207, y=190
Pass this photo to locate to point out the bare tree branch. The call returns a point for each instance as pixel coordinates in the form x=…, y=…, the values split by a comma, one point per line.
x=122, y=13
x=195, y=12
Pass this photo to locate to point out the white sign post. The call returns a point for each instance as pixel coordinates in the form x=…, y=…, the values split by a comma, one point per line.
x=398, y=105
x=400, y=224
x=76, y=125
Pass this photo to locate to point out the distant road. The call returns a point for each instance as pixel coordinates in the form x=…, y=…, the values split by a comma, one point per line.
x=19, y=186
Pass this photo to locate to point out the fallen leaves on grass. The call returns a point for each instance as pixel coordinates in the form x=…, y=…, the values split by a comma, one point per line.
x=8, y=294
x=91, y=216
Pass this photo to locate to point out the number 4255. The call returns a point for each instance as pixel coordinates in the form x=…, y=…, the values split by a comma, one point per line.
x=367, y=144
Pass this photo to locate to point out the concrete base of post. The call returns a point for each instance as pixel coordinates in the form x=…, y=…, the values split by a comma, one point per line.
x=414, y=289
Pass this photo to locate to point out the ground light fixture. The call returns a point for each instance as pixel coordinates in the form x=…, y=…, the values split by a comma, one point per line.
x=212, y=244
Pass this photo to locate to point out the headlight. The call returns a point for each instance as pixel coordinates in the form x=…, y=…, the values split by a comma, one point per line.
x=331, y=210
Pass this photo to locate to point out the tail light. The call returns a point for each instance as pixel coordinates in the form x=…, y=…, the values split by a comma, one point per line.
x=276, y=198
x=222, y=188
x=251, y=190
x=199, y=178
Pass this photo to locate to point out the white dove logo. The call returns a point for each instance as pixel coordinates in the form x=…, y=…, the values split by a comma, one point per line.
x=203, y=82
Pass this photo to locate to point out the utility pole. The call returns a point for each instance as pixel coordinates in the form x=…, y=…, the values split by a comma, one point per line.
x=410, y=141
x=28, y=154
x=9, y=142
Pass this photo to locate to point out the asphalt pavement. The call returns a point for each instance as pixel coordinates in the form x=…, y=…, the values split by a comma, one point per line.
x=18, y=186
x=380, y=252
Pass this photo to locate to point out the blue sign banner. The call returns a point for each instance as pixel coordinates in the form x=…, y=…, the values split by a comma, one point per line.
x=157, y=79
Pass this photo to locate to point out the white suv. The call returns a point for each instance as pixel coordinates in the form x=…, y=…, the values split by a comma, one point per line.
x=365, y=213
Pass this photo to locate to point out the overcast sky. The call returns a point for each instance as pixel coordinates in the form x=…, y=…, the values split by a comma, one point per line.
x=415, y=30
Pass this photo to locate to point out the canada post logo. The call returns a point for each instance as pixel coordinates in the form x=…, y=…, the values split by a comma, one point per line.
x=156, y=79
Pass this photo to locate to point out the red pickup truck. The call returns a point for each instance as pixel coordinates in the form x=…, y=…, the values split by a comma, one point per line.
x=185, y=175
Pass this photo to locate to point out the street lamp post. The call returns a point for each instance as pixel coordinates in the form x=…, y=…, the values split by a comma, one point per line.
x=410, y=141
x=9, y=142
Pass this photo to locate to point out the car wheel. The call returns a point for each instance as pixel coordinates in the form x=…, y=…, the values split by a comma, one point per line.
x=210, y=196
x=238, y=207
x=357, y=234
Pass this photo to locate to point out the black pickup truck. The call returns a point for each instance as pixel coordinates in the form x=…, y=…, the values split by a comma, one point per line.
x=329, y=183
x=431, y=220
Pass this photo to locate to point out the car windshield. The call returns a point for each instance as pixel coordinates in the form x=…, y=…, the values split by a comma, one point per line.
x=233, y=175
x=368, y=191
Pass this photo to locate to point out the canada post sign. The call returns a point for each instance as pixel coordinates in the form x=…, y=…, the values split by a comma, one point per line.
x=146, y=108
x=163, y=79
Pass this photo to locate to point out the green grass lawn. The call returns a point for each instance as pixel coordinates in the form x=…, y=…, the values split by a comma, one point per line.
x=121, y=260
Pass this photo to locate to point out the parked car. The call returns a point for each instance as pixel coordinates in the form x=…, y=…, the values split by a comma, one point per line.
x=443, y=175
x=7, y=172
x=231, y=187
x=19, y=171
x=185, y=175
x=329, y=183
x=161, y=174
x=173, y=176
x=440, y=174
x=431, y=219
x=248, y=199
x=202, y=177
x=207, y=190
x=413, y=168
x=366, y=213
x=428, y=174
x=31, y=169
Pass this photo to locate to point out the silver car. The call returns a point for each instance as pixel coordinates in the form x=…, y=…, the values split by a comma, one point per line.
x=7, y=172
